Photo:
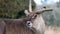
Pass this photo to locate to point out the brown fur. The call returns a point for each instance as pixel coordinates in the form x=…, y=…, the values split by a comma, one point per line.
x=13, y=26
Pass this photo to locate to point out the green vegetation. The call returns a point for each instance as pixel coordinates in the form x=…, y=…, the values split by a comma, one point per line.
x=10, y=8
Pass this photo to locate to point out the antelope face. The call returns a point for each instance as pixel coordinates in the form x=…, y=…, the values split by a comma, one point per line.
x=31, y=16
x=36, y=21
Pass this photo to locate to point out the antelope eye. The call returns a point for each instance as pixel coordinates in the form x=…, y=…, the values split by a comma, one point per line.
x=29, y=24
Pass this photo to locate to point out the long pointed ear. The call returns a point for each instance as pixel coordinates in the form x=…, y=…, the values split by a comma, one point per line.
x=26, y=12
x=43, y=10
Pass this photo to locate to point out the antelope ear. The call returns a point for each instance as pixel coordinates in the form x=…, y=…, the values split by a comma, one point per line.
x=43, y=10
x=26, y=12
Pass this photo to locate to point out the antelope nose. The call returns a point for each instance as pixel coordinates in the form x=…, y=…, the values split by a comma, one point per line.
x=29, y=24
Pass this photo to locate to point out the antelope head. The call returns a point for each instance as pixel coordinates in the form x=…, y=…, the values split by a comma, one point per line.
x=32, y=15
x=36, y=22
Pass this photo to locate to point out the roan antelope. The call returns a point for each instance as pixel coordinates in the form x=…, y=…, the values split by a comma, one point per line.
x=36, y=23
x=32, y=24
